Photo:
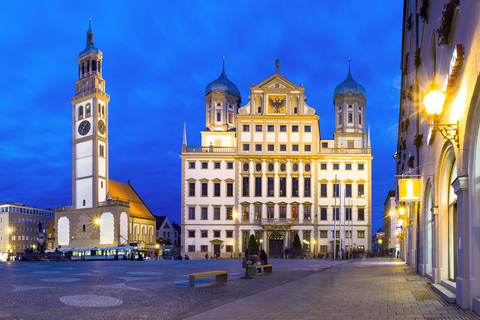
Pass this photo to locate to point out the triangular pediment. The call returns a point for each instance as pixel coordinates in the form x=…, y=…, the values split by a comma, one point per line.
x=276, y=81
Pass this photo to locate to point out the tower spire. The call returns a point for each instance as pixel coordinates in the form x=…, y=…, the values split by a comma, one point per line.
x=89, y=33
x=184, y=143
x=349, y=60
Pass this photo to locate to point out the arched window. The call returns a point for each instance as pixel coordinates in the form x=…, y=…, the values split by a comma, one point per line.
x=80, y=112
x=99, y=66
x=359, y=119
x=99, y=110
x=88, y=66
x=339, y=119
x=350, y=118
x=144, y=233
x=219, y=115
x=83, y=68
x=135, y=232
x=103, y=111
x=94, y=65
x=88, y=111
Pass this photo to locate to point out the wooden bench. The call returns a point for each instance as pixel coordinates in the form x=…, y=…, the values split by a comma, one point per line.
x=267, y=268
x=220, y=276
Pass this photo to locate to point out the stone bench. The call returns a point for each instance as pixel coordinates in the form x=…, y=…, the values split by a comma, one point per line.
x=220, y=276
x=267, y=268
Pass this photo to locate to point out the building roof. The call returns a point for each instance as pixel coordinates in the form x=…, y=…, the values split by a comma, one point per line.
x=349, y=85
x=125, y=192
x=223, y=84
x=90, y=48
x=160, y=221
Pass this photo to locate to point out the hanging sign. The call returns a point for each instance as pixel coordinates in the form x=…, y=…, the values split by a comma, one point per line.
x=409, y=190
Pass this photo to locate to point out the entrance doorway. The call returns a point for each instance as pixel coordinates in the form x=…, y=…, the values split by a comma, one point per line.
x=275, y=244
x=216, y=250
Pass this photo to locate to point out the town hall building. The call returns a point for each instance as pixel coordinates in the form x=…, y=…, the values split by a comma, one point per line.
x=264, y=169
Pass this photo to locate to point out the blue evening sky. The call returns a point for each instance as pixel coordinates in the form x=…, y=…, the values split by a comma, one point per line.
x=158, y=58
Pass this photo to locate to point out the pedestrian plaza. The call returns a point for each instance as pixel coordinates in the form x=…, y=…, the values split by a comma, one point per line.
x=158, y=289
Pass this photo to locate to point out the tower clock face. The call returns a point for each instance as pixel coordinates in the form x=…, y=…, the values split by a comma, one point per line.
x=84, y=127
x=101, y=127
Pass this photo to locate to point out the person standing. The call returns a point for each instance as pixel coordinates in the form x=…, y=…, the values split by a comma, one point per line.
x=264, y=257
x=206, y=256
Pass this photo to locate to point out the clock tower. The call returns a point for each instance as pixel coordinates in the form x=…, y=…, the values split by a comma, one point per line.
x=90, y=130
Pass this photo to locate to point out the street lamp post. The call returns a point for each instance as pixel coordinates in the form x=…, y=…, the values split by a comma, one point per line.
x=434, y=101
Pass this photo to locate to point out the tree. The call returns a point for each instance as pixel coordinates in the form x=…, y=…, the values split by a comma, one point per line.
x=297, y=247
x=163, y=241
x=252, y=245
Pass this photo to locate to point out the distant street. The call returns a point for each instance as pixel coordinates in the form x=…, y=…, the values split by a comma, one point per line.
x=297, y=289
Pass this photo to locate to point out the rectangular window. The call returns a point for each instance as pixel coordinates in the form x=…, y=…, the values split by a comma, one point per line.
x=294, y=147
x=323, y=249
x=361, y=190
x=216, y=213
x=306, y=187
x=216, y=233
x=258, y=147
x=361, y=214
x=270, y=212
x=324, y=144
x=308, y=147
x=336, y=166
x=271, y=147
x=271, y=128
x=258, y=186
x=258, y=128
x=246, y=147
x=246, y=128
x=360, y=234
x=323, y=234
x=323, y=166
x=283, y=128
x=337, y=213
x=191, y=213
x=216, y=165
x=246, y=187
x=337, y=234
x=348, y=214
x=323, y=190
x=360, y=167
x=229, y=248
x=191, y=189
x=229, y=234
x=204, y=189
x=348, y=190
x=204, y=234
x=229, y=213
x=191, y=165
x=229, y=165
x=204, y=248
x=294, y=128
x=283, y=187
x=307, y=213
x=258, y=212
x=229, y=189
x=283, y=212
x=270, y=187
x=283, y=147
x=204, y=165
x=204, y=213
x=191, y=248
x=308, y=129
x=245, y=213
x=191, y=233
x=323, y=214
x=216, y=189
x=294, y=187
x=336, y=189
x=350, y=144
x=348, y=166
x=294, y=213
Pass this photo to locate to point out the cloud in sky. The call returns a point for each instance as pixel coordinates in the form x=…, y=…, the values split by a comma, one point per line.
x=158, y=59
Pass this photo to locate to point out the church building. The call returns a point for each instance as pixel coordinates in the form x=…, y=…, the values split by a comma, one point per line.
x=104, y=213
x=264, y=169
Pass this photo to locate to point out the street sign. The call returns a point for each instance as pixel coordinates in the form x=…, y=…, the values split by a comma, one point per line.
x=380, y=235
x=399, y=228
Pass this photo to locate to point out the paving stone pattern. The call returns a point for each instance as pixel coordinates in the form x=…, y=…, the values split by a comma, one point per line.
x=297, y=289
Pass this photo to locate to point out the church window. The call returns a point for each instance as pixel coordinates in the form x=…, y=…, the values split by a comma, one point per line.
x=295, y=147
x=219, y=116
x=271, y=147
x=246, y=187
x=270, y=128
x=94, y=65
x=80, y=112
x=88, y=111
x=258, y=128
x=283, y=147
x=191, y=213
x=283, y=187
x=204, y=189
x=246, y=147
x=294, y=128
x=308, y=147
x=191, y=189
x=360, y=119
x=270, y=186
x=308, y=129
x=283, y=128
x=216, y=189
x=216, y=213
x=258, y=186
x=350, y=118
x=246, y=127
x=258, y=147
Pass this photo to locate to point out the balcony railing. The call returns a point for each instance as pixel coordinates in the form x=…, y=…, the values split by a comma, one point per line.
x=114, y=202
x=66, y=208
x=210, y=149
x=345, y=150
x=277, y=222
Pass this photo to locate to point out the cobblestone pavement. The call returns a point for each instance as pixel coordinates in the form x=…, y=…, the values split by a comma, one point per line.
x=133, y=289
x=363, y=289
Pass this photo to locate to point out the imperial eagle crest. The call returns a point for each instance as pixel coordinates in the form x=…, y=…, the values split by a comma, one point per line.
x=277, y=104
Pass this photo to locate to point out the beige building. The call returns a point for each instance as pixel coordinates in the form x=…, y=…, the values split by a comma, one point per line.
x=104, y=213
x=264, y=169
x=20, y=227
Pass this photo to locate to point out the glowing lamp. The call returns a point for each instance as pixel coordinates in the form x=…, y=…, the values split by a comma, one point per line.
x=433, y=101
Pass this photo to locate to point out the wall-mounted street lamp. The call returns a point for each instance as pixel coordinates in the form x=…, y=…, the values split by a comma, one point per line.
x=433, y=101
x=97, y=221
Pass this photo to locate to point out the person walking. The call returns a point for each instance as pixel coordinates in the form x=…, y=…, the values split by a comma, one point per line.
x=206, y=256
